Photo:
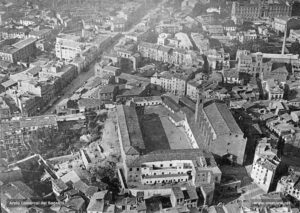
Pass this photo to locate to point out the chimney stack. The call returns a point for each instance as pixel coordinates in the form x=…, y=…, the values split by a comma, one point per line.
x=199, y=105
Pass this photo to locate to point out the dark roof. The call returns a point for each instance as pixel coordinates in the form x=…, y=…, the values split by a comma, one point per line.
x=191, y=191
x=108, y=89
x=60, y=184
x=89, y=103
x=188, y=102
x=75, y=203
x=177, y=192
x=171, y=103
x=176, y=154
x=221, y=119
x=130, y=130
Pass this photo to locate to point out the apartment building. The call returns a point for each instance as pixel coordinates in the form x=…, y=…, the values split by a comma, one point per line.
x=68, y=47
x=263, y=171
x=166, y=53
x=280, y=24
x=192, y=89
x=290, y=184
x=21, y=50
x=174, y=83
x=254, y=9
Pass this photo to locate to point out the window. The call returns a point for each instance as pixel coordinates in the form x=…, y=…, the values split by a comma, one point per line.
x=170, y=165
x=137, y=169
x=130, y=169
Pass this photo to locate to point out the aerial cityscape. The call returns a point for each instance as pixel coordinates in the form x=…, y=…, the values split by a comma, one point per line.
x=150, y=106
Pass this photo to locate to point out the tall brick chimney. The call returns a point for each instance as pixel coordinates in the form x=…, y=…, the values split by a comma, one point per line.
x=199, y=105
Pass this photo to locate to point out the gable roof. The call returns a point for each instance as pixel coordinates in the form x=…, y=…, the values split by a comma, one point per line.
x=221, y=119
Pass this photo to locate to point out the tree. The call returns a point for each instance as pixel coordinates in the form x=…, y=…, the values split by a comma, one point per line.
x=295, y=47
x=199, y=9
x=214, y=43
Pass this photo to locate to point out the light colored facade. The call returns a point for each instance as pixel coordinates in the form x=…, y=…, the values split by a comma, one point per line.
x=170, y=82
x=192, y=89
x=166, y=54
x=274, y=90
x=280, y=24
x=294, y=35
x=185, y=42
x=68, y=47
x=221, y=136
x=265, y=164
x=159, y=171
x=201, y=42
x=21, y=50
x=263, y=172
x=253, y=10
x=290, y=184
x=102, y=71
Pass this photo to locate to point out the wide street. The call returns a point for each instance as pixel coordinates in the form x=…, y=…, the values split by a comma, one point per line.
x=80, y=80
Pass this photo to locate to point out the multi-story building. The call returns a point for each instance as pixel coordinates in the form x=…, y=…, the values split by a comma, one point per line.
x=215, y=128
x=4, y=110
x=102, y=71
x=159, y=171
x=166, y=53
x=68, y=47
x=294, y=35
x=290, y=184
x=21, y=50
x=254, y=9
x=201, y=43
x=274, y=90
x=168, y=28
x=192, y=89
x=186, y=197
x=249, y=35
x=264, y=170
x=9, y=33
x=174, y=83
x=11, y=139
x=280, y=24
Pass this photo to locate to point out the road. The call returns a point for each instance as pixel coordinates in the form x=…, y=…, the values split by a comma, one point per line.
x=84, y=76
x=72, y=87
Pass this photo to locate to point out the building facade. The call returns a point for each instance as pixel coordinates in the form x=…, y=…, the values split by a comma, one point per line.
x=253, y=10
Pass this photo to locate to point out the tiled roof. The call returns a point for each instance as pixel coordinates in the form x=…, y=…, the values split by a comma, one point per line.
x=221, y=119
x=60, y=184
x=176, y=154
x=192, y=192
x=177, y=192
x=89, y=103
x=171, y=103
x=130, y=130
x=108, y=89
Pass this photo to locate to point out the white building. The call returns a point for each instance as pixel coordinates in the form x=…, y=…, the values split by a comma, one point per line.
x=290, y=184
x=192, y=89
x=263, y=172
x=280, y=23
x=295, y=35
x=184, y=41
x=173, y=83
x=68, y=47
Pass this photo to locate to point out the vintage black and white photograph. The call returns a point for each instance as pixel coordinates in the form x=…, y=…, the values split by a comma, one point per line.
x=150, y=106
